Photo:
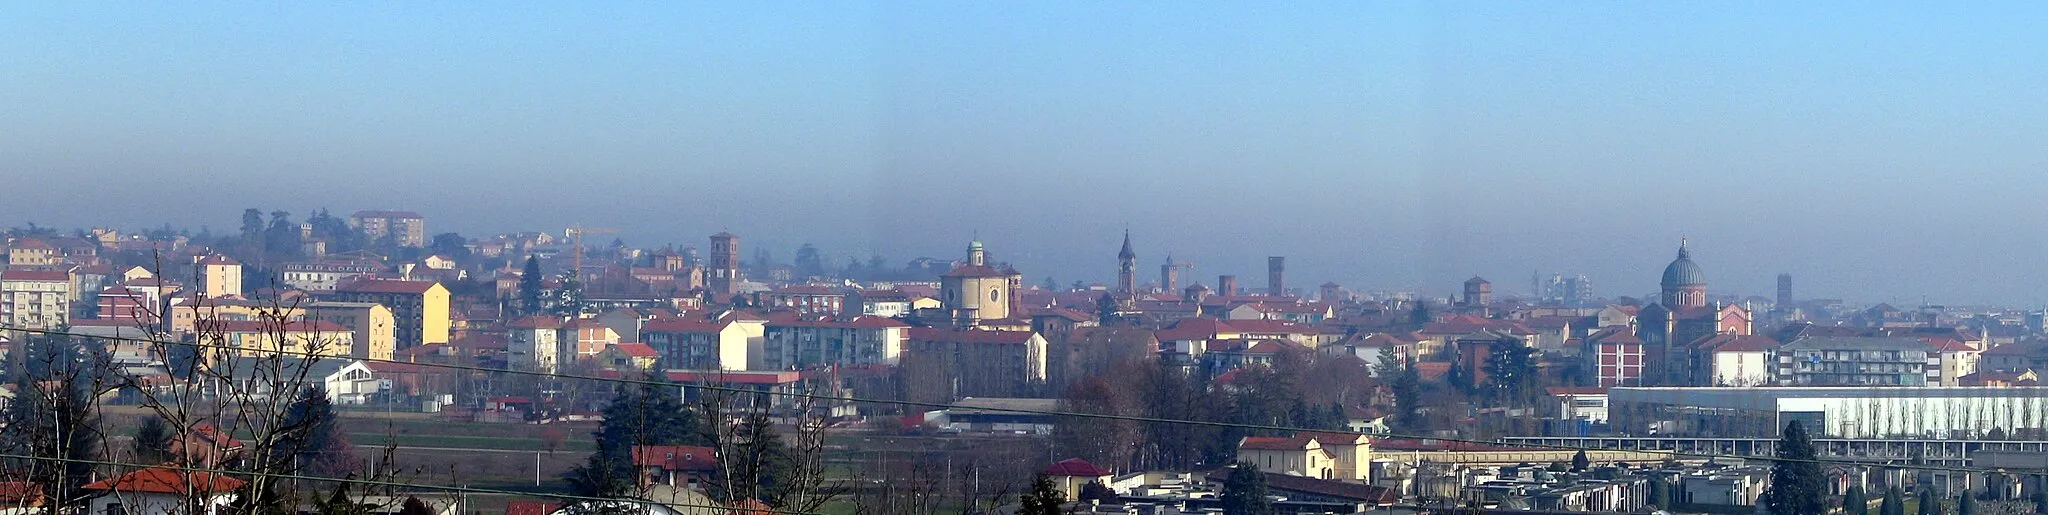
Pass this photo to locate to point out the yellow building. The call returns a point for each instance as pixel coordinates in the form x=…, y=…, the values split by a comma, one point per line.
x=375, y=328
x=420, y=308
x=976, y=291
x=1300, y=456
x=187, y=312
x=264, y=339
x=219, y=276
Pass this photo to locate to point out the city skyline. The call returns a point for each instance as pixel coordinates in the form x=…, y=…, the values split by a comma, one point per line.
x=1397, y=145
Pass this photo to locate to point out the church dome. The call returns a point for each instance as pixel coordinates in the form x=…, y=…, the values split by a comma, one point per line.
x=1682, y=271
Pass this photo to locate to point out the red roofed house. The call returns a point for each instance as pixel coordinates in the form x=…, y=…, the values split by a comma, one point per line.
x=162, y=491
x=1071, y=473
x=675, y=465
x=698, y=344
x=628, y=356
x=35, y=299
x=206, y=446
x=21, y=498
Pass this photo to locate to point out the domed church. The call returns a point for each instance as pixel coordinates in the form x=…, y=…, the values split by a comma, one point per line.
x=1673, y=328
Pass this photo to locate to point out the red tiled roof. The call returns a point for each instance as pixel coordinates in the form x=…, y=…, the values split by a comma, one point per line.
x=684, y=325
x=167, y=481
x=1269, y=327
x=388, y=286
x=536, y=322
x=531, y=507
x=1737, y=343
x=1614, y=335
x=637, y=350
x=36, y=275
x=691, y=376
x=970, y=335
x=676, y=457
x=218, y=260
x=1075, y=467
x=1267, y=443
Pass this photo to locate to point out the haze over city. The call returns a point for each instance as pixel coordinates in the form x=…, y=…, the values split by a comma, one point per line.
x=1880, y=152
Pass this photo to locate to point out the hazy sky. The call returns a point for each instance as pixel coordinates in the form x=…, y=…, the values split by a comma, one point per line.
x=1878, y=151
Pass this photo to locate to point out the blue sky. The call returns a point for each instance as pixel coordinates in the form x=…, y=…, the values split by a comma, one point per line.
x=1876, y=150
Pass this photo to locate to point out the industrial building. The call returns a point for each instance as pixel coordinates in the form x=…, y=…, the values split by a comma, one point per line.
x=1933, y=412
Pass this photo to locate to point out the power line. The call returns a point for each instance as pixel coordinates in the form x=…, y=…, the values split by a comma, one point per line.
x=369, y=482
x=1027, y=411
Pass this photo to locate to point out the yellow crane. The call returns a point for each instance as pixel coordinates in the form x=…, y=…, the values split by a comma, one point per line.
x=575, y=234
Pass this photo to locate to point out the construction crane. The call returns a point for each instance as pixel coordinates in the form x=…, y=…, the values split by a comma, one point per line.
x=576, y=235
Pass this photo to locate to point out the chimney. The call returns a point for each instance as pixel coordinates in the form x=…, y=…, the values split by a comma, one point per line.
x=1276, y=276
x=1226, y=285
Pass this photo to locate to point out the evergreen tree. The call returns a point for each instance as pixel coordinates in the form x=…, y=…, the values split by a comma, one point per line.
x=252, y=225
x=1420, y=315
x=413, y=506
x=1797, y=484
x=809, y=261
x=1894, y=502
x=1658, y=495
x=1967, y=505
x=1580, y=462
x=152, y=441
x=1043, y=499
x=1097, y=492
x=1244, y=491
x=758, y=462
x=1929, y=504
x=1407, y=386
x=639, y=415
x=1458, y=378
x=1854, y=502
x=530, y=287
x=1510, y=373
x=310, y=436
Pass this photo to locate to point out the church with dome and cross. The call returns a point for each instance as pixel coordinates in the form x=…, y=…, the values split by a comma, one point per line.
x=1674, y=328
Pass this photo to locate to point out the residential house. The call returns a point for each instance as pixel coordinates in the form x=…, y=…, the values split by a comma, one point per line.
x=374, y=326
x=1614, y=357
x=534, y=343
x=297, y=338
x=366, y=382
x=826, y=340
x=976, y=363
x=219, y=276
x=1070, y=474
x=162, y=491
x=1958, y=358
x=206, y=446
x=1738, y=360
x=35, y=299
x=405, y=228
x=419, y=307
x=807, y=298
x=2015, y=356
x=728, y=342
x=325, y=276
x=32, y=254
x=675, y=465
x=628, y=356
x=590, y=337
x=1858, y=361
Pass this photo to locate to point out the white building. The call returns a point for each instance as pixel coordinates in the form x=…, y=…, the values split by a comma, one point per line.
x=1831, y=412
x=35, y=299
x=161, y=491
